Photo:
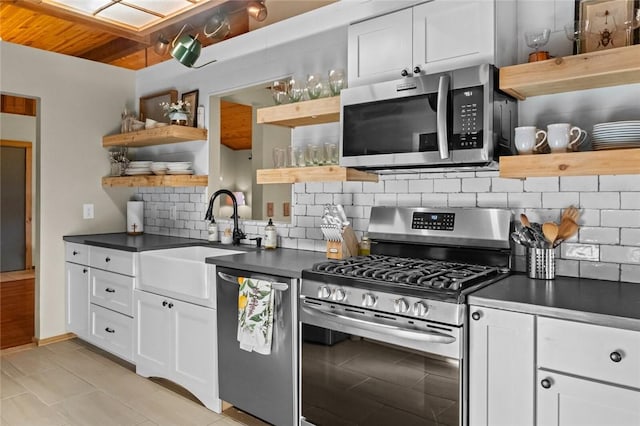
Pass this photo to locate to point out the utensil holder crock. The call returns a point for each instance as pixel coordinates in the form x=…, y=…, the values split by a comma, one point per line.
x=541, y=263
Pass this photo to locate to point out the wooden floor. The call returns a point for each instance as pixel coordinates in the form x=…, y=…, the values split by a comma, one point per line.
x=17, y=308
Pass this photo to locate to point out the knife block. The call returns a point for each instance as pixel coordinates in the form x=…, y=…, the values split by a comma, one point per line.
x=345, y=248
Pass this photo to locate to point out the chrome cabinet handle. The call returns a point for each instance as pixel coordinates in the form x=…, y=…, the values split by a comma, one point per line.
x=615, y=356
x=476, y=315
x=441, y=116
x=109, y=330
x=274, y=285
x=545, y=383
x=110, y=290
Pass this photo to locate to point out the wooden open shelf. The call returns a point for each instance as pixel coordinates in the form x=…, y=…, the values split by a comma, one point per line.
x=610, y=162
x=605, y=68
x=156, y=136
x=156, y=180
x=313, y=174
x=316, y=111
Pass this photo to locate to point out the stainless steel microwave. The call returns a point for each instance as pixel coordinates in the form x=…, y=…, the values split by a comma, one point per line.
x=451, y=118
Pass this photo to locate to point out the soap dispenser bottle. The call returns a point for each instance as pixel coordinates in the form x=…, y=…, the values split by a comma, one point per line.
x=213, y=231
x=271, y=235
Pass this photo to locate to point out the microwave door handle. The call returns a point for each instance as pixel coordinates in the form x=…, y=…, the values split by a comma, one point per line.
x=441, y=119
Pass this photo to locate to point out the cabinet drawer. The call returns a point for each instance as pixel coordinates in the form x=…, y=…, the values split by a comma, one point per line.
x=122, y=262
x=76, y=253
x=111, y=331
x=112, y=291
x=603, y=353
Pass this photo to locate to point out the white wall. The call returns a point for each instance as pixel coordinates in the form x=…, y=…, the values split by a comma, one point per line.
x=80, y=102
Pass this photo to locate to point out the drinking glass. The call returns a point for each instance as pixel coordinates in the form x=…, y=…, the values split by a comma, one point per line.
x=337, y=81
x=299, y=154
x=631, y=25
x=317, y=155
x=278, y=158
x=314, y=86
x=331, y=153
x=279, y=91
x=296, y=89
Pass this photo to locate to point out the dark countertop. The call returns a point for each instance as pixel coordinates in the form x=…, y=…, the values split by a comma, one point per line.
x=123, y=241
x=608, y=303
x=282, y=262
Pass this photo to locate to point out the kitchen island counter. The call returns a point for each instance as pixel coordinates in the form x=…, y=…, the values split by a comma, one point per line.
x=608, y=303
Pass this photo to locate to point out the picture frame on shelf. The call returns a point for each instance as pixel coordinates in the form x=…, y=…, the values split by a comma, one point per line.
x=606, y=27
x=150, y=105
x=192, y=99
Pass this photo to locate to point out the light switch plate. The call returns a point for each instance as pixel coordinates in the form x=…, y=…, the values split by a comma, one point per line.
x=87, y=211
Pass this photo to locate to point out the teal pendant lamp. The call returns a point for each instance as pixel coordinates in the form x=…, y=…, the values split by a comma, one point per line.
x=186, y=50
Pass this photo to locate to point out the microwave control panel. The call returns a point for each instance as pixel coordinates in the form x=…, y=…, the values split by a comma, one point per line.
x=467, y=118
x=433, y=221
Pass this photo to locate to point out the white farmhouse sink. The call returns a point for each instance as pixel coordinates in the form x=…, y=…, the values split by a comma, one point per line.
x=181, y=273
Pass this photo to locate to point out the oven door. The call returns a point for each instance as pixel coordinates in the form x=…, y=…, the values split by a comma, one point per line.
x=376, y=374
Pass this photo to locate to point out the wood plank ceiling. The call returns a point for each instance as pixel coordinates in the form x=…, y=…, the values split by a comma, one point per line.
x=41, y=25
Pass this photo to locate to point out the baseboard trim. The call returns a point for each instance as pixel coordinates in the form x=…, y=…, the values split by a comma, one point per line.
x=54, y=339
x=17, y=348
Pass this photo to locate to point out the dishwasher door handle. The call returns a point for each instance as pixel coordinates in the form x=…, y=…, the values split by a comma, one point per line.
x=277, y=286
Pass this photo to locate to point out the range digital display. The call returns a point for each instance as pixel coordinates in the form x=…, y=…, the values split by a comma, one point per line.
x=433, y=221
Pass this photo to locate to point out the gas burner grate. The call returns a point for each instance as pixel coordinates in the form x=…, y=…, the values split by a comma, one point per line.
x=409, y=272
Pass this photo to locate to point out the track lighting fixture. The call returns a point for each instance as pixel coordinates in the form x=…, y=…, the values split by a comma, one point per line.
x=257, y=10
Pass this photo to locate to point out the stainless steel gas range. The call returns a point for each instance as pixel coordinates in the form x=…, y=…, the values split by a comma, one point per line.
x=383, y=337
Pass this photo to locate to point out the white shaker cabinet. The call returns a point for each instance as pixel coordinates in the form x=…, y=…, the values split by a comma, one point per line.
x=587, y=374
x=501, y=367
x=178, y=341
x=77, y=289
x=436, y=36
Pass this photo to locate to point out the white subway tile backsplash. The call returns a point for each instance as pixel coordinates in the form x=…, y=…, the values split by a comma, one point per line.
x=476, y=184
x=462, y=200
x=579, y=183
x=596, y=235
x=492, y=199
x=314, y=187
x=447, y=185
x=451, y=175
x=301, y=198
x=421, y=185
x=344, y=199
x=323, y=199
x=409, y=200
x=298, y=232
x=559, y=200
x=524, y=200
x=568, y=268
x=373, y=187
x=434, y=200
x=620, y=183
x=630, y=273
x=600, y=270
x=580, y=251
x=621, y=218
x=506, y=185
x=305, y=221
x=542, y=184
x=620, y=254
x=396, y=186
x=332, y=187
x=363, y=199
x=491, y=173
x=630, y=200
x=352, y=187
x=630, y=237
x=600, y=200
x=385, y=200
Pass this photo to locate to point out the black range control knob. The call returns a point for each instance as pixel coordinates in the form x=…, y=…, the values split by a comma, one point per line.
x=404, y=73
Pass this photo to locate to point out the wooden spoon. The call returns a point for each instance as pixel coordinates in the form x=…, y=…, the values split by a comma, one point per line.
x=571, y=213
x=525, y=220
x=550, y=231
x=567, y=229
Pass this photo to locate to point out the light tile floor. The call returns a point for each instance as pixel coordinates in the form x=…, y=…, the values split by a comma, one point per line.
x=74, y=383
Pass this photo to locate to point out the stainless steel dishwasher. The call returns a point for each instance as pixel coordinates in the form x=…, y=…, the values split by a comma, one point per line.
x=265, y=386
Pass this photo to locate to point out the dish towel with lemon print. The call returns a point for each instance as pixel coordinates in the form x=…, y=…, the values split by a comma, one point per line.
x=255, y=315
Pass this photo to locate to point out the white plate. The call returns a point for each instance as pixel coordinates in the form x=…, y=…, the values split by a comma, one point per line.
x=618, y=123
x=180, y=172
x=137, y=172
x=140, y=164
x=159, y=171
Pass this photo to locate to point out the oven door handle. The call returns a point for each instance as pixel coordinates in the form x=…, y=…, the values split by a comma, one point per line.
x=274, y=285
x=426, y=336
x=441, y=116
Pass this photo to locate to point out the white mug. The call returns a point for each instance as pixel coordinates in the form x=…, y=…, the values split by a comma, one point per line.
x=528, y=139
x=561, y=139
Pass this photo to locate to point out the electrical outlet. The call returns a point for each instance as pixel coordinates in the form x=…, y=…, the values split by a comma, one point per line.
x=173, y=212
x=87, y=211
